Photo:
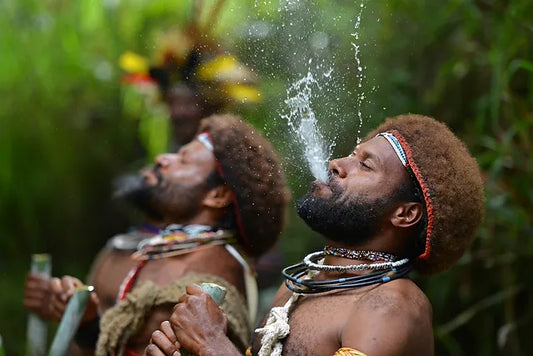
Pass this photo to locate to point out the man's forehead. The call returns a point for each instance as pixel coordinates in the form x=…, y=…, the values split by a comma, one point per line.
x=196, y=148
x=379, y=148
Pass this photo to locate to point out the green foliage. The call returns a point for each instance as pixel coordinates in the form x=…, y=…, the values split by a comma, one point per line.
x=67, y=127
x=471, y=67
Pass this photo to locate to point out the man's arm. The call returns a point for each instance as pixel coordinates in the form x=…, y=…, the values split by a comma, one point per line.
x=390, y=324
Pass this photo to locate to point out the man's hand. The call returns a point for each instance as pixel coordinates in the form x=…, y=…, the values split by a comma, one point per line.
x=198, y=322
x=197, y=325
x=37, y=295
x=61, y=292
x=163, y=342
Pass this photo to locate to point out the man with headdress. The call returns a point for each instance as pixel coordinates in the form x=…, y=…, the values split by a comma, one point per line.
x=409, y=196
x=195, y=76
x=222, y=200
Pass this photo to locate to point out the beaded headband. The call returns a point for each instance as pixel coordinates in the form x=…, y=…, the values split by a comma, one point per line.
x=206, y=139
x=396, y=146
x=403, y=151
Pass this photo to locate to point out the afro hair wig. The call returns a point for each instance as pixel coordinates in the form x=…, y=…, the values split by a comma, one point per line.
x=451, y=184
x=249, y=165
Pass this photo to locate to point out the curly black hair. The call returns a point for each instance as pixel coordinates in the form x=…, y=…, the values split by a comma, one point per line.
x=451, y=184
x=250, y=166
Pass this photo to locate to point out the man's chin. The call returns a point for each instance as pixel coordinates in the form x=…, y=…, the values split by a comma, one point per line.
x=305, y=207
x=344, y=221
x=308, y=215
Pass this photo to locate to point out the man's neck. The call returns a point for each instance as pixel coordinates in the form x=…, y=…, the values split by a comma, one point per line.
x=203, y=217
x=370, y=245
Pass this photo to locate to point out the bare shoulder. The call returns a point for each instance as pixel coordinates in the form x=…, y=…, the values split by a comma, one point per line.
x=394, y=318
x=398, y=296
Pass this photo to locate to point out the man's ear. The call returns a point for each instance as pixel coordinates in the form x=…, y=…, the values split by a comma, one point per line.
x=407, y=214
x=218, y=197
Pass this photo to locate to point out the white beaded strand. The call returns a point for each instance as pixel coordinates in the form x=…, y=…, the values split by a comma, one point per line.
x=308, y=261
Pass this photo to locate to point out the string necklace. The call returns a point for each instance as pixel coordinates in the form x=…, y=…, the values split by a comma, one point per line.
x=386, y=269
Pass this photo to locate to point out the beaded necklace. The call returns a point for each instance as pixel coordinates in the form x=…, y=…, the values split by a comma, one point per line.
x=311, y=262
x=299, y=279
x=173, y=240
x=177, y=239
x=382, y=272
x=374, y=256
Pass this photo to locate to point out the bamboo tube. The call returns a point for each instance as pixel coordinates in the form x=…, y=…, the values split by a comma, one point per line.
x=70, y=321
x=37, y=329
x=2, y=353
x=215, y=291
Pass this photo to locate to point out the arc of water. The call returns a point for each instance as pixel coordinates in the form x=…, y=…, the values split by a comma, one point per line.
x=303, y=122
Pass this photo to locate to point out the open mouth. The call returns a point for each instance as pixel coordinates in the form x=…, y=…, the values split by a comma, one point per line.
x=152, y=176
x=320, y=188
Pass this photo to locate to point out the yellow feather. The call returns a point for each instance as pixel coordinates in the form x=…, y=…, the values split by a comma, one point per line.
x=133, y=63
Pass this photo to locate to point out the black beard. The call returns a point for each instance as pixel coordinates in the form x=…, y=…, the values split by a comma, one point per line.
x=348, y=221
x=165, y=200
x=133, y=189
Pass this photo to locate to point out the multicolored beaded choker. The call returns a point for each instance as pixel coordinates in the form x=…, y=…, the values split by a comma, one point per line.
x=374, y=256
x=177, y=239
x=174, y=240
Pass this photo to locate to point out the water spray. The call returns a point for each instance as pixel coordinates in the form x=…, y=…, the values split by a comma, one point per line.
x=303, y=122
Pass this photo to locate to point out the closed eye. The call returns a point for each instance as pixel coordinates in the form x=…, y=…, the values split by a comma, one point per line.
x=183, y=158
x=364, y=165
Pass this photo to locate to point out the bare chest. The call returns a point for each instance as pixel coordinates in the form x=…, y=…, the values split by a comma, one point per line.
x=112, y=271
x=209, y=261
x=162, y=272
x=315, y=325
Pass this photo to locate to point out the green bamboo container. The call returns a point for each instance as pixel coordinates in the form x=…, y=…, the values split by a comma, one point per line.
x=70, y=321
x=37, y=329
x=2, y=353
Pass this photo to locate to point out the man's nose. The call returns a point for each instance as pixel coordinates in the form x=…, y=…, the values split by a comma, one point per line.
x=165, y=159
x=337, y=167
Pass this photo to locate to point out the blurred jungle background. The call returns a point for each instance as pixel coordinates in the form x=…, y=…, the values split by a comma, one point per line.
x=68, y=127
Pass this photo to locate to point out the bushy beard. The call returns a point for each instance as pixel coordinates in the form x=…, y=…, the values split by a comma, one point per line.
x=133, y=189
x=346, y=220
x=165, y=201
